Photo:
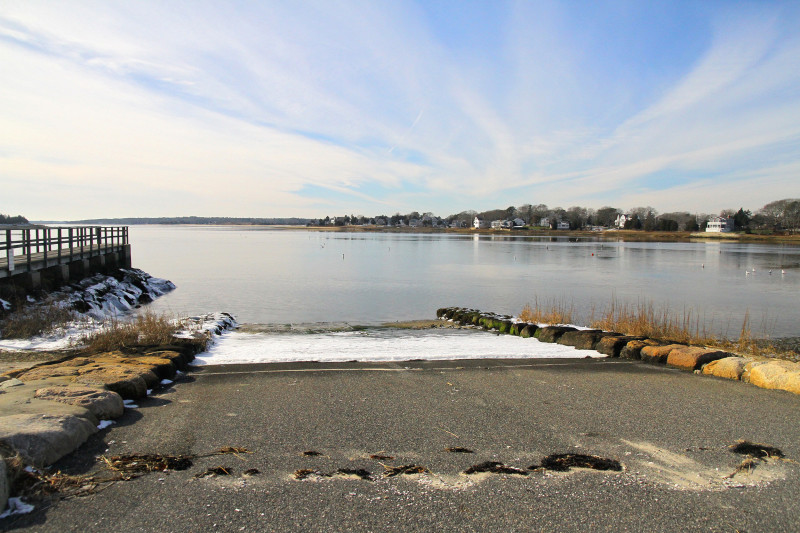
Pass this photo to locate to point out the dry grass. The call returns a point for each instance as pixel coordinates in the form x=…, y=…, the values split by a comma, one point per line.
x=147, y=329
x=645, y=319
x=31, y=321
x=553, y=312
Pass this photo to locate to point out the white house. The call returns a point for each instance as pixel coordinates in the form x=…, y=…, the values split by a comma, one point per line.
x=544, y=222
x=621, y=220
x=563, y=225
x=720, y=225
x=479, y=223
x=497, y=224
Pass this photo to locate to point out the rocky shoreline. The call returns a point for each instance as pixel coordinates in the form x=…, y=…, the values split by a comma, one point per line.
x=764, y=372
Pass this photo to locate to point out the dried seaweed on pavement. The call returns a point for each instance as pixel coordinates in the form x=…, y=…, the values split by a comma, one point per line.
x=305, y=473
x=392, y=471
x=753, y=449
x=379, y=457
x=142, y=463
x=494, y=467
x=311, y=453
x=564, y=461
x=214, y=471
x=357, y=472
x=251, y=472
x=456, y=449
x=748, y=464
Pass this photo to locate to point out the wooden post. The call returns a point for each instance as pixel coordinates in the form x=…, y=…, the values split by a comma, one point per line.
x=71, y=243
x=10, y=251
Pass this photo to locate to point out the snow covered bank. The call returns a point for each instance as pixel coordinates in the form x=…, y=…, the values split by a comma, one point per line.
x=93, y=301
x=378, y=344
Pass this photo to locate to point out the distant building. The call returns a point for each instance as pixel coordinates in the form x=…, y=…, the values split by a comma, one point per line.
x=621, y=220
x=563, y=225
x=479, y=223
x=720, y=225
x=497, y=224
x=544, y=222
x=518, y=222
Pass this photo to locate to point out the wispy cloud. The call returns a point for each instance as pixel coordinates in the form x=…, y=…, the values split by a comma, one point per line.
x=257, y=109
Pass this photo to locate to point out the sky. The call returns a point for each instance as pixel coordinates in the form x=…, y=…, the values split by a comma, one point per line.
x=307, y=109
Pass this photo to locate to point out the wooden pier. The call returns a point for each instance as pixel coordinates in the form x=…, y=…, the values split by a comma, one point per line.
x=33, y=255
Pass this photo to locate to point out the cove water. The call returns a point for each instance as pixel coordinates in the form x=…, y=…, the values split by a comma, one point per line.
x=271, y=276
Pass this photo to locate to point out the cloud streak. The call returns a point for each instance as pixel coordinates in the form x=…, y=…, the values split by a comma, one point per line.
x=256, y=110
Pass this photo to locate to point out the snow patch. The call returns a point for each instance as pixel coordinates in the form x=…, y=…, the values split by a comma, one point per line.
x=5, y=305
x=379, y=344
x=16, y=506
x=104, y=424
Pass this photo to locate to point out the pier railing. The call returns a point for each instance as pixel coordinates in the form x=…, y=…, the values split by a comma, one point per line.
x=27, y=245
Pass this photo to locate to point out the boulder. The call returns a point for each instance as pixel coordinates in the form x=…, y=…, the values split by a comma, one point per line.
x=551, y=333
x=657, y=354
x=693, y=357
x=125, y=380
x=103, y=404
x=528, y=331
x=44, y=439
x=633, y=349
x=781, y=375
x=613, y=344
x=728, y=367
x=585, y=339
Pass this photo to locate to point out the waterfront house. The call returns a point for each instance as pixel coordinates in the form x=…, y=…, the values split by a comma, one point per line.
x=563, y=225
x=621, y=220
x=518, y=223
x=720, y=225
x=479, y=223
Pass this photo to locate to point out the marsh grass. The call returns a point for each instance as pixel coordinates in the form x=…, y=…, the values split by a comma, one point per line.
x=646, y=319
x=33, y=320
x=147, y=329
x=552, y=312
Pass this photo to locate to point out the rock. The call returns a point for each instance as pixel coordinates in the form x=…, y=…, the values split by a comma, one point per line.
x=613, y=344
x=781, y=375
x=10, y=383
x=585, y=339
x=693, y=357
x=103, y=404
x=125, y=380
x=657, y=354
x=22, y=400
x=551, y=333
x=728, y=367
x=42, y=440
x=633, y=349
x=528, y=331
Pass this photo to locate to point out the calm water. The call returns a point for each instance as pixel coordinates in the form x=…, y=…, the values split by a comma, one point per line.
x=271, y=276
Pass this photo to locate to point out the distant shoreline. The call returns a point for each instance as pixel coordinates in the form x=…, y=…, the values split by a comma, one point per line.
x=607, y=235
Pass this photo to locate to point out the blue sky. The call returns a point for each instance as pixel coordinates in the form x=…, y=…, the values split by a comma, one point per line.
x=291, y=108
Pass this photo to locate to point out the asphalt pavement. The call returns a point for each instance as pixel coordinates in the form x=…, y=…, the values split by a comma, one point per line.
x=341, y=423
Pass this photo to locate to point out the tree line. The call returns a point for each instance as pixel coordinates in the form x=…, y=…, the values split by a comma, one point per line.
x=775, y=216
x=7, y=219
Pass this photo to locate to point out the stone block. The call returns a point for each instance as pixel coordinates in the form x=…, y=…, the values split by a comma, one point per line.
x=551, y=333
x=658, y=354
x=633, y=349
x=782, y=375
x=581, y=339
x=613, y=344
x=103, y=404
x=693, y=357
x=728, y=367
x=42, y=440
